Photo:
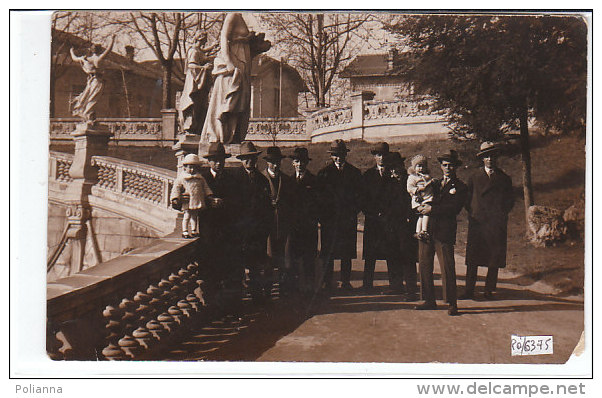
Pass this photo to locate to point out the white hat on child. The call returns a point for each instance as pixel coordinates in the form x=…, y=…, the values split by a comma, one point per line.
x=191, y=158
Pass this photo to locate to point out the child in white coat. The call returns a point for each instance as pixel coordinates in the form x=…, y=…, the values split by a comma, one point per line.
x=422, y=192
x=190, y=193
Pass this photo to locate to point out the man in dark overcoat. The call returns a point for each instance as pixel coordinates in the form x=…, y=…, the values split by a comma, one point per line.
x=280, y=186
x=254, y=221
x=220, y=244
x=449, y=199
x=401, y=224
x=341, y=185
x=379, y=243
x=303, y=237
x=490, y=199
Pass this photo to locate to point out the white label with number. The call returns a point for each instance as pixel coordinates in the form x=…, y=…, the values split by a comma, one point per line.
x=532, y=345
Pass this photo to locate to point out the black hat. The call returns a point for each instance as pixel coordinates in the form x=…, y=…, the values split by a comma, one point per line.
x=273, y=153
x=338, y=146
x=247, y=148
x=395, y=159
x=216, y=150
x=301, y=154
x=381, y=147
x=488, y=148
x=451, y=156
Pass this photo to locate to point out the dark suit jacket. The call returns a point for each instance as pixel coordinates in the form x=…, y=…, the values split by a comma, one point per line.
x=254, y=216
x=305, y=204
x=379, y=244
x=489, y=202
x=448, y=202
x=341, y=196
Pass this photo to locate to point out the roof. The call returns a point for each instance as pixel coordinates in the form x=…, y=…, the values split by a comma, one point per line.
x=113, y=60
x=371, y=65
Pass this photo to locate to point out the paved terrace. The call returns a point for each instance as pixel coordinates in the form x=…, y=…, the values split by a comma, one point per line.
x=354, y=327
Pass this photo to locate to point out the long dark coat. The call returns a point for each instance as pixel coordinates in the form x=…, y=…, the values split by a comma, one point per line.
x=305, y=203
x=255, y=214
x=489, y=202
x=401, y=222
x=341, y=197
x=280, y=189
x=379, y=243
x=447, y=204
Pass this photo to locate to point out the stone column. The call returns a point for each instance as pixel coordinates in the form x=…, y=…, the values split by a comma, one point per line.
x=169, y=126
x=357, y=110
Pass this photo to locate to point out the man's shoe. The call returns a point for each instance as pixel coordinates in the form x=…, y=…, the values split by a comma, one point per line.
x=466, y=296
x=453, y=310
x=426, y=306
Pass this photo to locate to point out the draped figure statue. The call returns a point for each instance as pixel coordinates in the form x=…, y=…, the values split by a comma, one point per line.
x=195, y=95
x=83, y=105
x=230, y=100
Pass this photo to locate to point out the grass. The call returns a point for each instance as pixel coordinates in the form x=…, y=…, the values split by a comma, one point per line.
x=558, y=175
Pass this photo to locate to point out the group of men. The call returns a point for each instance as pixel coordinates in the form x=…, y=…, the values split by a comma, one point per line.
x=269, y=221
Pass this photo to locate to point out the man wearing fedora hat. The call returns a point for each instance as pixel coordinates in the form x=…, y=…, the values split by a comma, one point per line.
x=490, y=199
x=303, y=238
x=449, y=199
x=254, y=221
x=377, y=207
x=224, y=270
x=341, y=185
x=280, y=186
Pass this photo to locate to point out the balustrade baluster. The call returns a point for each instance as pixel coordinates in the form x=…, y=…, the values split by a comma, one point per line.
x=142, y=334
x=165, y=318
x=113, y=326
x=190, y=286
x=180, y=293
x=128, y=344
x=155, y=303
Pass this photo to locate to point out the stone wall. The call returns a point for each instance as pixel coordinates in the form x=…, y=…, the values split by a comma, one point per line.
x=114, y=235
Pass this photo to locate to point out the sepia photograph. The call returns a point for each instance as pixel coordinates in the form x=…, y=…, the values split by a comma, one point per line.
x=318, y=187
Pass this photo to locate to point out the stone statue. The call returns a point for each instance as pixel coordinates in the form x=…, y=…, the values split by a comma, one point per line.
x=195, y=95
x=83, y=105
x=230, y=102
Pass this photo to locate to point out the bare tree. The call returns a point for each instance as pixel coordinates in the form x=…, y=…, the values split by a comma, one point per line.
x=318, y=44
x=167, y=35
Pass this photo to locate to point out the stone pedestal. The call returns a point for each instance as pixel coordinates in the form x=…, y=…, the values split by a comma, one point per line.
x=89, y=141
x=187, y=143
x=190, y=143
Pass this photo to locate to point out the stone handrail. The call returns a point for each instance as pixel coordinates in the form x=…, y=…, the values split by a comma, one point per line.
x=125, y=307
x=121, y=128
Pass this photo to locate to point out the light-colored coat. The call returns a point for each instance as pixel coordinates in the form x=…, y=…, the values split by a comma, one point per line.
x=195, y=186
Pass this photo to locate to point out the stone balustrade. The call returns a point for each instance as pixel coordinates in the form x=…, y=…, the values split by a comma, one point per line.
x=58, y=166
x=134, y=180
x=292, y=130
x=126, y=131
x=397, y=109
x=129, y=306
